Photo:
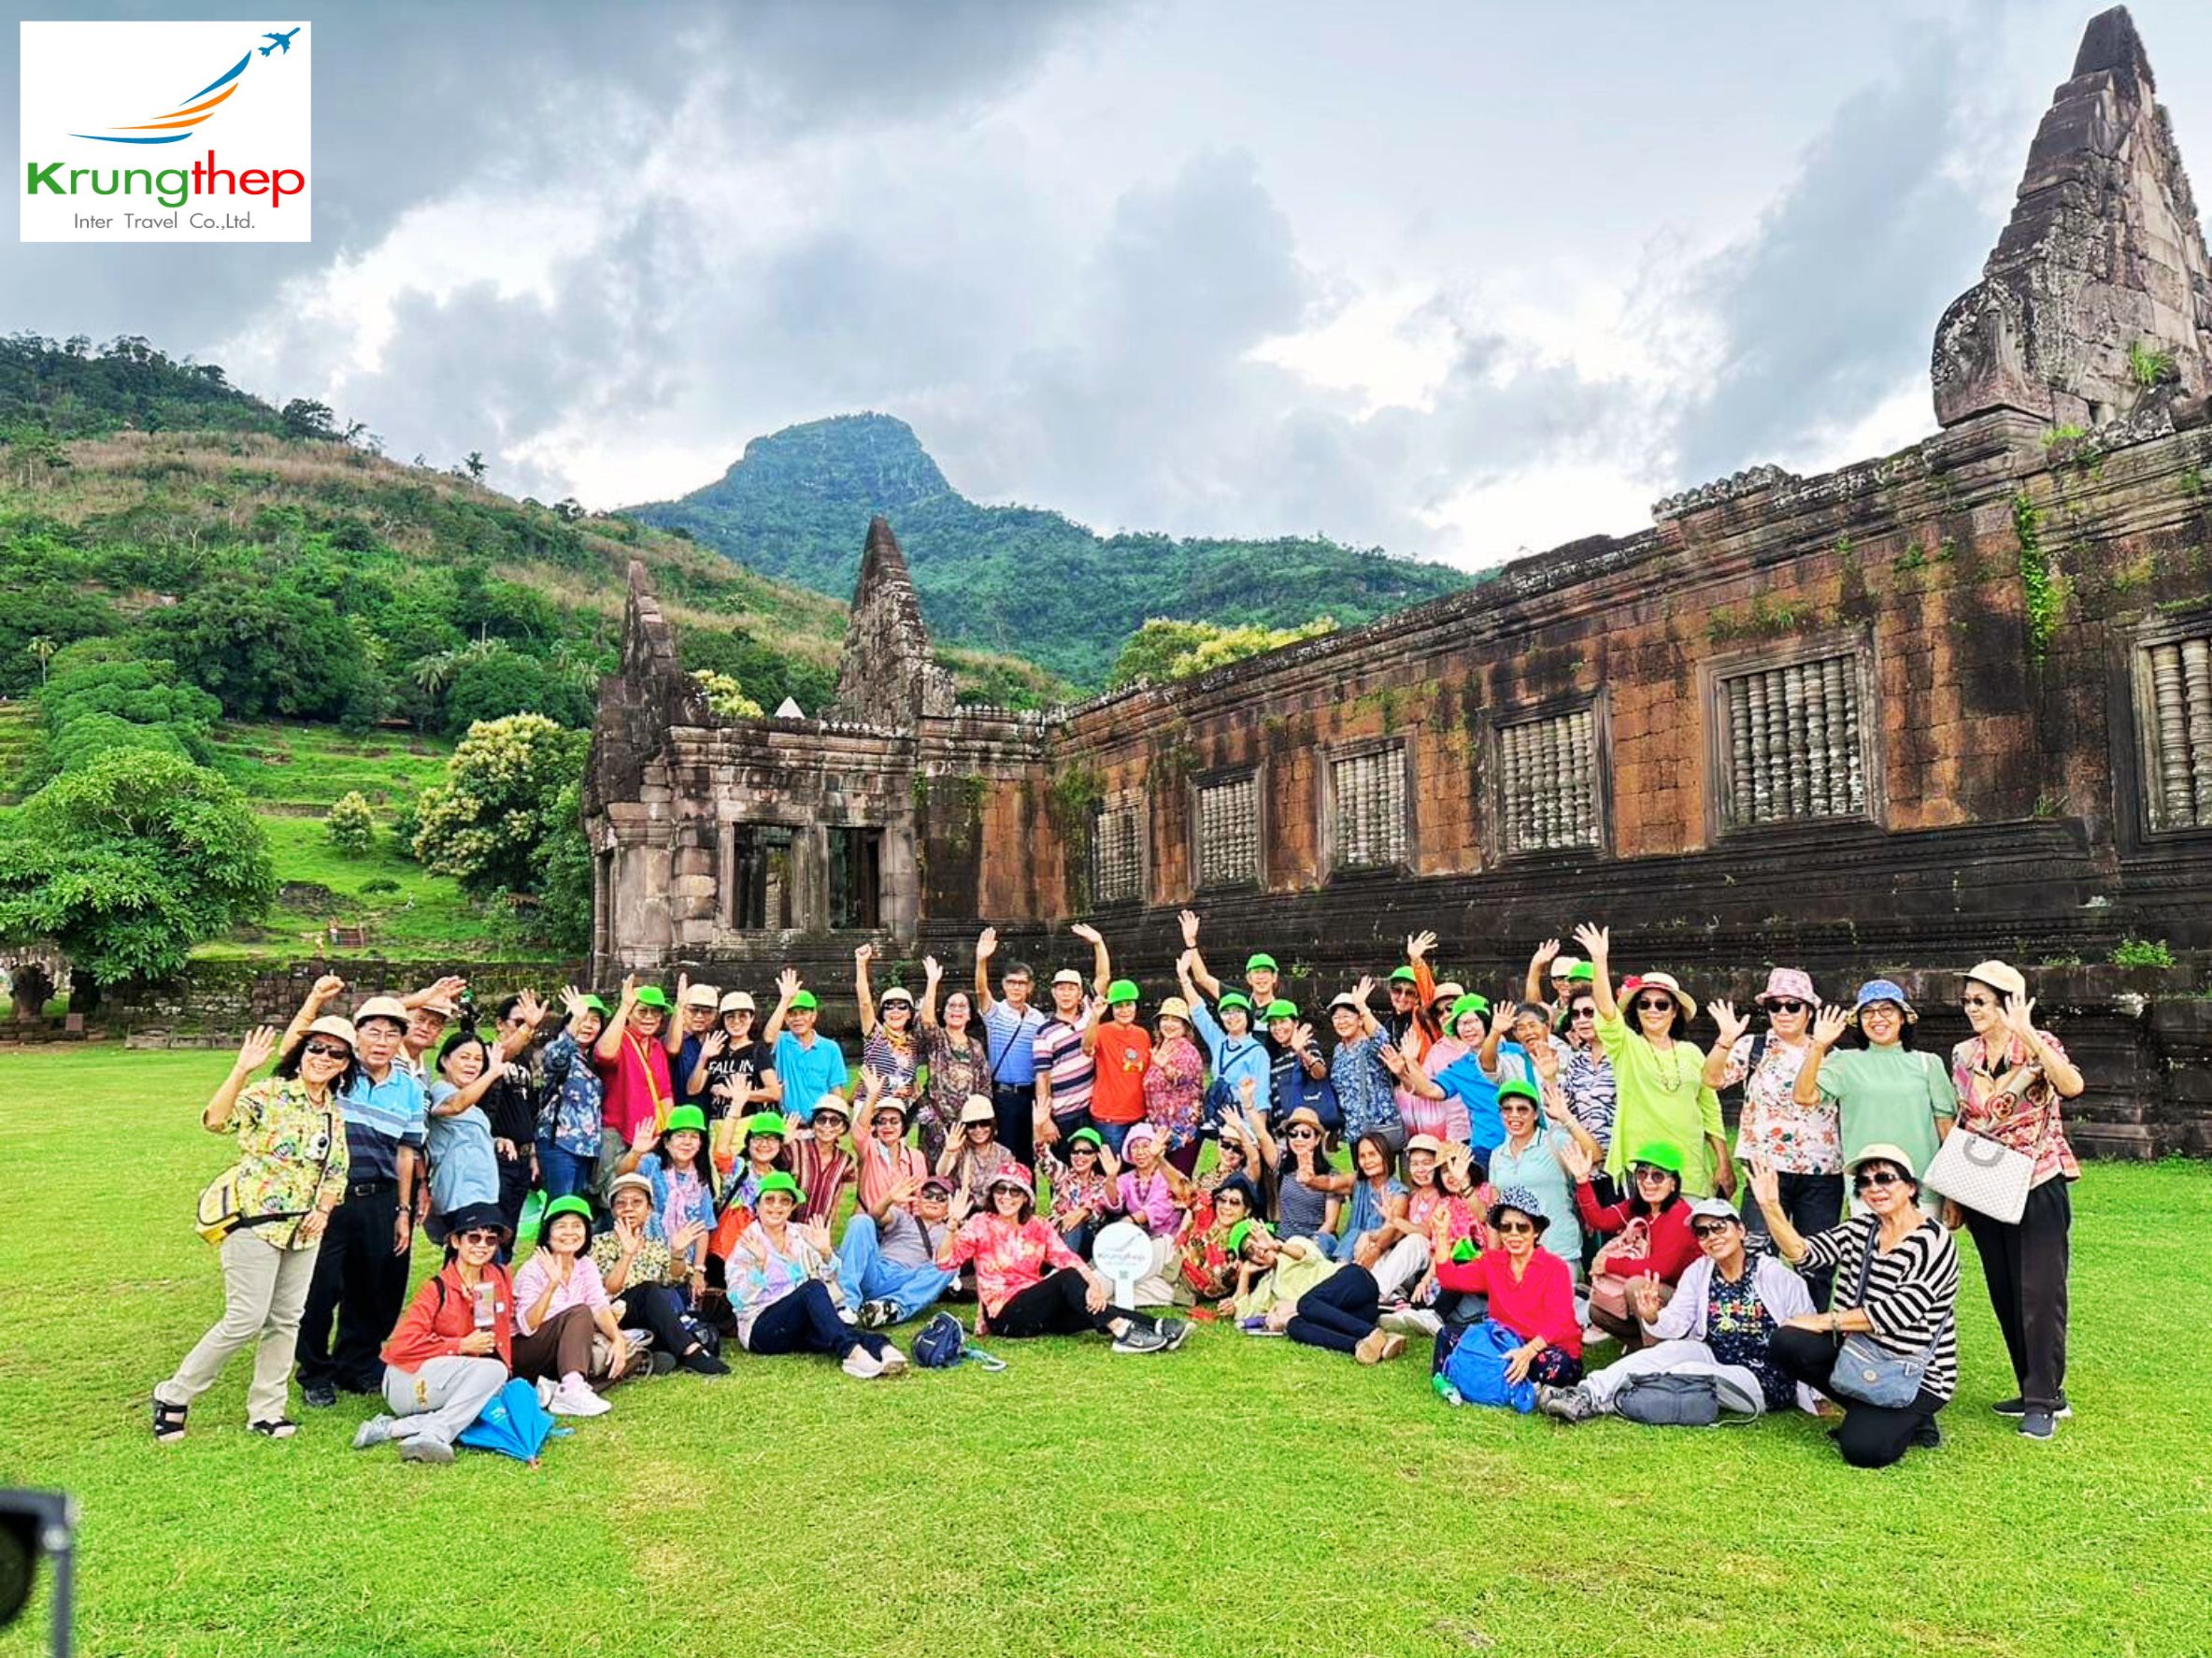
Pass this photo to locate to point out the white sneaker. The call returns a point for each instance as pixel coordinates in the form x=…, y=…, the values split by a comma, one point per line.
x=578, y=1401
x=893, y=1362
x=547, y=1388
x=859, y=1362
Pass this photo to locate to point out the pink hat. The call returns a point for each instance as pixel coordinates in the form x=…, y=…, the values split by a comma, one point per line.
x=1789, y=984
x=1141, y=1131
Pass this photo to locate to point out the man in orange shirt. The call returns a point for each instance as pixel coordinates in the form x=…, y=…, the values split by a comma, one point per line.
x=1122, y=1050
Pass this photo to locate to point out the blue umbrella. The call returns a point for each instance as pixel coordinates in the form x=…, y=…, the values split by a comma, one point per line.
x=513, y=1424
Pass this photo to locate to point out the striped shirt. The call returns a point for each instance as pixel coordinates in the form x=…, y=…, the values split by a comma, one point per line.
x=1912, y=1290
x=1059, y=1049
x=381, y=1117
x=1007, y=1044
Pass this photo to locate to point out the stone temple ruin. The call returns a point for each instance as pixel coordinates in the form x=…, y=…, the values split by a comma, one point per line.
x=1951, y=703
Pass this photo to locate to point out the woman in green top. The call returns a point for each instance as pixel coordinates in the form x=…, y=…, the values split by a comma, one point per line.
x=1886, y=1092
x=1659, y=1072
x=1290, y=1288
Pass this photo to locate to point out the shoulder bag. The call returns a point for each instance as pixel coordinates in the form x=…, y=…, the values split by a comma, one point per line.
x=1983, y=1175
x=1865, y=1370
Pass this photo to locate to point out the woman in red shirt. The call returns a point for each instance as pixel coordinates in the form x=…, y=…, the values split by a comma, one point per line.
x=454, y=1348
x=1531, y=1291
x=1648, y=1235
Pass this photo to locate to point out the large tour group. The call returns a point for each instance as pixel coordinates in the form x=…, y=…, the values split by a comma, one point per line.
x=1534, y=1181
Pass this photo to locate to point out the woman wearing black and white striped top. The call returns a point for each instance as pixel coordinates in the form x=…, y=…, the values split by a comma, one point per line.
x=1907, y=1308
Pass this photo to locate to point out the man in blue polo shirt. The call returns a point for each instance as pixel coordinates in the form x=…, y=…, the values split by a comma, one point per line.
x=808, y=1062
x=361, y=1271
x=1010, y=1025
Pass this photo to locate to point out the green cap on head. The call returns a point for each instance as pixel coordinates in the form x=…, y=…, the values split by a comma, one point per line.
x=1088, y=1137
x=652, y=995
x=1122, y=989
x=1243, y=1230
x=683, y=1117
x=1660, y=1154
x=766, y=1123
x=596, y=1006
x=1236, y=998
x=566, y=1206
x=1278, y=1008
x=778, y=1182
x=1403, y=975
x=804, y=999
x=1259, y=959
x=1516, y=1089
x=1468, y=1004
x=1582, y=973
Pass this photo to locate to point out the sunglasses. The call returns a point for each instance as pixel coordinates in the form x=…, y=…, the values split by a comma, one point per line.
x=1654, y=1004
x=1514, y=1106
x=328, y=1051
x=1710, y=1229
x=1583, y=1014
x=1879, y=1177
x=1401, y=989
x=1304, y=1133
x=1785, y=1007
x=1083, y=1152
x=479, y=1236
x=1651, y=1171
x=1975, y=1002
x=1514, y=1228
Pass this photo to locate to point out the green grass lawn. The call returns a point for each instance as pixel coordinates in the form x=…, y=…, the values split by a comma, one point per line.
x=1238, y=1498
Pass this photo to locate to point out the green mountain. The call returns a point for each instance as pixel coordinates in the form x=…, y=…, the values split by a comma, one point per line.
x=1016, y=579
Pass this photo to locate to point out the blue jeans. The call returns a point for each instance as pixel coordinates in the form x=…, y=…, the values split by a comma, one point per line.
x=563, y=1173
x=1113, y=1134
x=868, y=1277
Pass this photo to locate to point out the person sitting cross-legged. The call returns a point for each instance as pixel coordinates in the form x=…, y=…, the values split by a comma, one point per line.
x=1719, y=1327
x=1530, y=1293
x=888, y=1258
x=454, y=1346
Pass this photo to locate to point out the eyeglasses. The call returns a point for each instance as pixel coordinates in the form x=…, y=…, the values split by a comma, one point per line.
x=1515, y=1108
x=1710, y=1229
x=1514, y=1228
x=328, y=1051
x=1880, y=1177
x=1785, y=1007
x=1401, y=989
x=481, y=1237
x=1882, y=1010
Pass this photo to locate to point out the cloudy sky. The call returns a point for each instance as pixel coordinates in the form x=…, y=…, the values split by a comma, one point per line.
x=1458, y=279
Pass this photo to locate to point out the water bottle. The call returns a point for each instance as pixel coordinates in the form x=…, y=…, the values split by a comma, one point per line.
x=1445, y=1391
x=485, y=1306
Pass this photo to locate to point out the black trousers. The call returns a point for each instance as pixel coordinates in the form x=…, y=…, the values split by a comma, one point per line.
x=1337, y=1313
x=1014, y=1107
x=1057, y=1305
x=514, y=1185
x=359, y=1278
x=657, y=1308
x=2025, y=1263
x=806, y=1320
x=1814, y=1203
x=1870, y=1435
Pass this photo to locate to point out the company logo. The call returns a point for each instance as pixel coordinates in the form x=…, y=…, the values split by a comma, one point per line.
x=161, y=178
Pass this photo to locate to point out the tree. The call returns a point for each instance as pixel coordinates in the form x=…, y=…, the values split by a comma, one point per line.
x=496, y=683
x=263, y=651
x=565, y=885
x=43, y=648
x=350, y=825
x=1165, y=649
x=488, y=824
x=474, y=462
x=129, y=863
x=305, y=418
x=726, y=696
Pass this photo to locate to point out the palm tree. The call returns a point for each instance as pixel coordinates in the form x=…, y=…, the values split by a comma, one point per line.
x=43, y=649
x=434, y=672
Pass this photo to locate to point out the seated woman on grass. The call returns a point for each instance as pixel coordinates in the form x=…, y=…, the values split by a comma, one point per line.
x=753, y=1143
x=453, y=1347
x=1458, y=1231
x=1029, y=1283
x=1308, y=1193
x=1207, y=1265
x=818, y=1160
x=560, y=1300
x=974, y=1159
x=1152, y=1192
x=780, y=1278
x=644, y=1273
x=1647, y=1234
x=1086, y=1187
x=1289, y=1287
x=1530, y=1293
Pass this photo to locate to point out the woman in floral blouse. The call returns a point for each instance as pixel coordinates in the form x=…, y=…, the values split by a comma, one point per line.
x=291, y=1174
x=646, y=1277
x=958, y=1064
x=1175, y=1086
x=568, y=1112
x=1085, y=1187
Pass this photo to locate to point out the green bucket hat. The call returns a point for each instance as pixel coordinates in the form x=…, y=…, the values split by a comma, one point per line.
x=596, y=1006
x=1464, y=1005
x=566, y=1206
x=1403, y=975
x=778, y=1182
x=1261, y=959
x=1515, y=1089
x=1278, y=1008
x=766, y=1123
x=804, y=999
x=1235, y=998
x=685, y=1117
x=1660, y=1154
x=1122, y=989
x=652, y=995
x=1243, y=1230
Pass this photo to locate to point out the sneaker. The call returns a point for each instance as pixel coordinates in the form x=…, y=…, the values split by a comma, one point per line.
x=659, y=1365
x=1416, y=1320
x=425, y=1447
x=1593, y=1335
x=319, y=1396
x=1175, y=1332
x=1140, y=1338
x=1568, y=1404
x=376, y=1431
x=862, y=1363
x=879, y=1314
x=892, y=1361
x=2016, y=1407
x=2039, y=1424
x=547, y=1388
x=704, y=1363
x=1929, y=1434
x=578, y=1401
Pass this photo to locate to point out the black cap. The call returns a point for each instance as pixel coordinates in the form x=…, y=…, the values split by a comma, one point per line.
x=470, y=1217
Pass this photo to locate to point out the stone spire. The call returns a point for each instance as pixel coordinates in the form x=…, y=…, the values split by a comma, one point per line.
x=885, y=674
x=2104, y=255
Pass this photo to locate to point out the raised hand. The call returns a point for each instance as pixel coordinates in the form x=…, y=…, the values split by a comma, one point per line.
x=1575, y=1160
x=450, y=987
x=1086, y=932
x=326, y=989
x=1190, y=924
x=787, y=984
x=1247, y=1088
x=863, y=955
x=629, y=987
x=529, y=1009
x=986, y=944
x=1503, y=1015
x=1303, y=1037
x=683, y=985
x=572, y=1001
x=642, y=1136
x=1409, y=1045
x=713, y=1042
x=960, y=1205
x=1364, y=989
x=931, y=970
x=2018, y=1014
x=1729, y=1022
x=1766, y=1185
x=1644, y=1289
x=1829, y=1026
x=254, y=1052
x=1545, y=955
x=1596, y=942
x=818, y=1234
x=681, y=1243
x=1418, y=945
x=1545, y=1057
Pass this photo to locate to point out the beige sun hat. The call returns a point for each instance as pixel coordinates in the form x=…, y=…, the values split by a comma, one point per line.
x=2001, y=976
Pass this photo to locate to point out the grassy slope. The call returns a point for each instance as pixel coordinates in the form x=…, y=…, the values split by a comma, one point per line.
x=1239, y=1497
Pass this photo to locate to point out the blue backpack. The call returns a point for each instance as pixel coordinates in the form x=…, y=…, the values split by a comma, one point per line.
x=1473, y=1367
x=943, y=1344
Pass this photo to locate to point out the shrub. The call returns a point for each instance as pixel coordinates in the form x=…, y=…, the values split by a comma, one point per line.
x=350, y=825
x=381, y=884
x=2142, y=953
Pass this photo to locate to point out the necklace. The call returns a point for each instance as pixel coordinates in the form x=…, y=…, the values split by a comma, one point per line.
x=1671, y=1080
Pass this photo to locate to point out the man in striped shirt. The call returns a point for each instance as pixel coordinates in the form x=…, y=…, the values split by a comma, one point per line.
x=1066, y=1070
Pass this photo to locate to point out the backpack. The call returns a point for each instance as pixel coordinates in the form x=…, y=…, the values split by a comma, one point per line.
x=943, y=1344
x=1670, y=1401
x=1473, y=1367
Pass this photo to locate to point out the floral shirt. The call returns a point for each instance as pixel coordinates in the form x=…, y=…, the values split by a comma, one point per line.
x=759, y=1275
x=1204, y=1257
x=2024, y=1117
x=568, y=1111
x=1586, y=1078
x=1175, y=1091
x=977, y=1167
x=651, y=1264
x=1009, y=1256
x=1365, y=1090
x=1076, y=1199
x=292, y=1156
x=1740, y=1330
x=1791, y=1138
x=954, y=1073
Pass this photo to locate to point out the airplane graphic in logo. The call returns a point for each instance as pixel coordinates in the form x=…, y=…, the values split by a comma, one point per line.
x=179, y=124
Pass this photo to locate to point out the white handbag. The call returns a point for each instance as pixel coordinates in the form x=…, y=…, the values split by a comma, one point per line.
x=1979, y=1174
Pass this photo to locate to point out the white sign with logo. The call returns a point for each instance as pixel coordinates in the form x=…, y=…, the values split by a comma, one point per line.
x=164, y=132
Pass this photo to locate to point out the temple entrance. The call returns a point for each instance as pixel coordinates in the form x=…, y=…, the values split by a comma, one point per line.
x=856, y=878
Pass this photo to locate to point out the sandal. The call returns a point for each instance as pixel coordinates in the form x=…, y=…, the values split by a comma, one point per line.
x=168, y=1423
x=282, y=1428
